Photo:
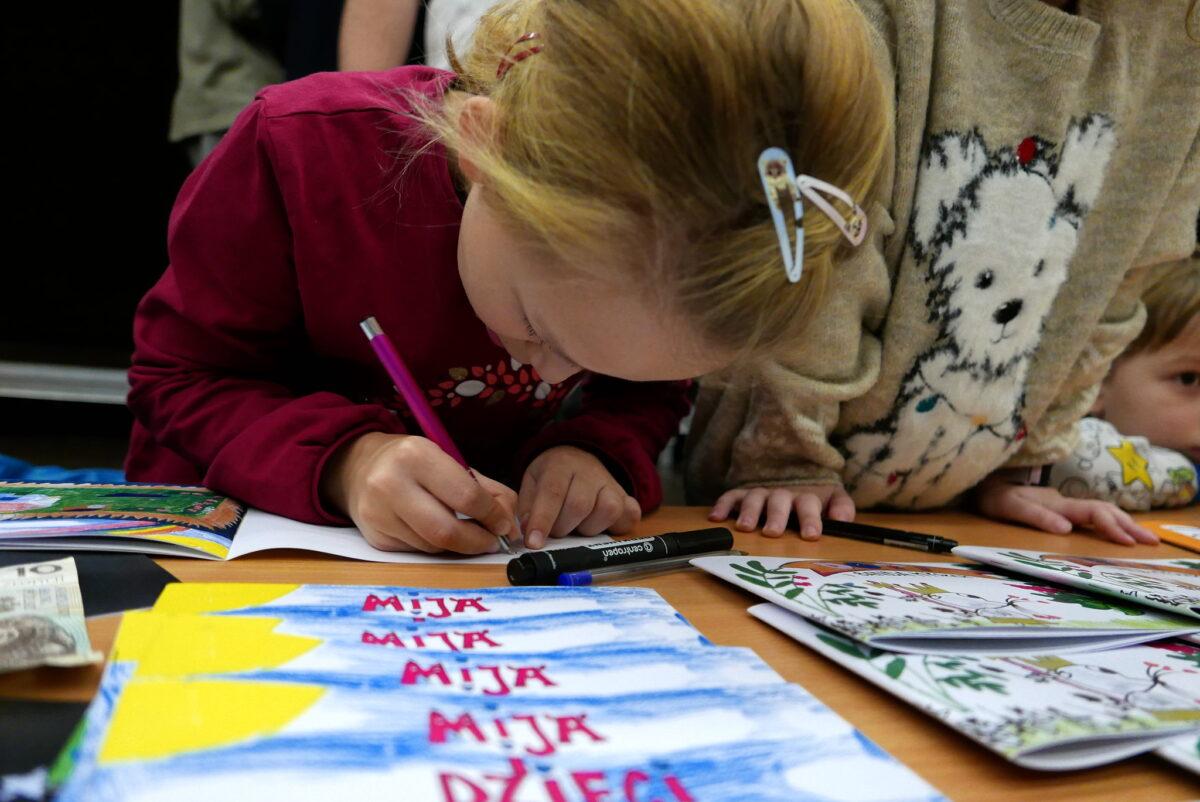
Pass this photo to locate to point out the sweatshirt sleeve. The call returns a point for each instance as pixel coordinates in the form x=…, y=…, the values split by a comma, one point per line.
x=626, y=424
x=220, y=340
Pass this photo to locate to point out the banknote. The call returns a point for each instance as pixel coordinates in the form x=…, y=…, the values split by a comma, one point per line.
x=41, y=617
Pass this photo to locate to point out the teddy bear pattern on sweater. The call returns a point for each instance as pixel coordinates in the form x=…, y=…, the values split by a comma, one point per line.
x=994, y=232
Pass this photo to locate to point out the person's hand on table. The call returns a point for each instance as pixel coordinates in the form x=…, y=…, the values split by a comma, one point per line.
x=567, y=489
x=774, y=505
x=402, y=492
x=1049, y=510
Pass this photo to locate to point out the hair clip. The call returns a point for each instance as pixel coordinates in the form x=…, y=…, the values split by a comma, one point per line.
x=779, y=183
x=507, y=61
x=783, y=189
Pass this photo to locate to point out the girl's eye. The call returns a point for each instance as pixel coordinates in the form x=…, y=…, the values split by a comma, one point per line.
x=1189, y=379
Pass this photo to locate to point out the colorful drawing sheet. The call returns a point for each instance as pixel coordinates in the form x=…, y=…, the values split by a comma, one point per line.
x=1050, y=712
x=405, y=604
x=760, y=744
x=1172, y=585
x=943, y=608
x=209, y=696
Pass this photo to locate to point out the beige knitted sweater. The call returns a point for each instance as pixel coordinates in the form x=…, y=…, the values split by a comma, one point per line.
x=1043, y=159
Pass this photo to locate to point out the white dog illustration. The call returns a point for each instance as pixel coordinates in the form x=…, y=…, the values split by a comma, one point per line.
x=995, y=233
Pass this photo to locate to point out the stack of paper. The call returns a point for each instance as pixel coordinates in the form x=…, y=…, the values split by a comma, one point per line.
x=1025, y=668
x=565, y=695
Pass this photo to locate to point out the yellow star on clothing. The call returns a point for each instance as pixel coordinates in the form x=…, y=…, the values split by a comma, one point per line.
x=1133, y=464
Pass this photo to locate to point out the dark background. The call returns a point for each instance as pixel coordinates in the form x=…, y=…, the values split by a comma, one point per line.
x=91, y=174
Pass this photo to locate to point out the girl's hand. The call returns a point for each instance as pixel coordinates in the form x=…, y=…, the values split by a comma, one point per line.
x=808, y=502
x=1046, y=509
x=566, y=489
x=402, y=492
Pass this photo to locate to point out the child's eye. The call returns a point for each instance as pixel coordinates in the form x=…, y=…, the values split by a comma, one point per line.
x=1189, y=379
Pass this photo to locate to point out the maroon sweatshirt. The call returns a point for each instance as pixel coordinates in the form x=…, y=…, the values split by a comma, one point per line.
x=250, y=368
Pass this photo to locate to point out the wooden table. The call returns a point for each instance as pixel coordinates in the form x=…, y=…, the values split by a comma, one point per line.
x=955, y=765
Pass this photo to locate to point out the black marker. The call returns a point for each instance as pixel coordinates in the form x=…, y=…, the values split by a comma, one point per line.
x=544, y=567
x=887, y=537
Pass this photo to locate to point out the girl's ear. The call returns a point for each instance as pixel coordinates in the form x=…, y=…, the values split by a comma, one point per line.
x=476, y=125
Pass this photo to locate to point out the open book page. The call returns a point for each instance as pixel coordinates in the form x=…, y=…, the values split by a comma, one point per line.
x=1050, y=712
x=1172, y=585
x=943, y=608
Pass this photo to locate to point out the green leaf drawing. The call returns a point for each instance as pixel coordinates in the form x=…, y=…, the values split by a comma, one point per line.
x=793, y=593
x=895, y=668
x=753, y=580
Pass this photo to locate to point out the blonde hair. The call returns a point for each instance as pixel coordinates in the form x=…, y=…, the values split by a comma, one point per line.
x=636, y=129
x=1172, y=302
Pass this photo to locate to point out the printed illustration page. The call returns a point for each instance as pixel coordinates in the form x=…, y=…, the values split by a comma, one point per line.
x=943, y=608
x=1051, y=712
x=1172, y=585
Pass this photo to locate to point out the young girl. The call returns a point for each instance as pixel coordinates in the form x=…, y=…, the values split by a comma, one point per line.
x=583, y=197
x=1043, y=157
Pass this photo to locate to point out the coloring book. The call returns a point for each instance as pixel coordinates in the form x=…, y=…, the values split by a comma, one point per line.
x=944, y=608
x=1172, y=585
x=1051, y=711
x=227, y=688
x=185, y=521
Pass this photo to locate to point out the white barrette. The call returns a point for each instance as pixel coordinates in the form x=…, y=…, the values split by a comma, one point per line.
x=783, y=187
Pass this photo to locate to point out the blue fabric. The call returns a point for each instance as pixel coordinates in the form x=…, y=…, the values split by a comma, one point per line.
x=16, y=470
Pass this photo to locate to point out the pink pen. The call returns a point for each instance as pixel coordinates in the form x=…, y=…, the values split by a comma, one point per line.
x=412, y=395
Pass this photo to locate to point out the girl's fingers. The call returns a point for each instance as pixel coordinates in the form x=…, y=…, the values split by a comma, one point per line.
x=779, y=509
x=458, y=490
x=808, y=515
x=544, y=509
x=606, y=513
x=726, y=504
x=751, y=509
x=841, y=506
x=580, y=501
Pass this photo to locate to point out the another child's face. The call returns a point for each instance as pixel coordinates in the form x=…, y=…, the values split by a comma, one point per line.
x=1156, y=394
x=563, y=320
